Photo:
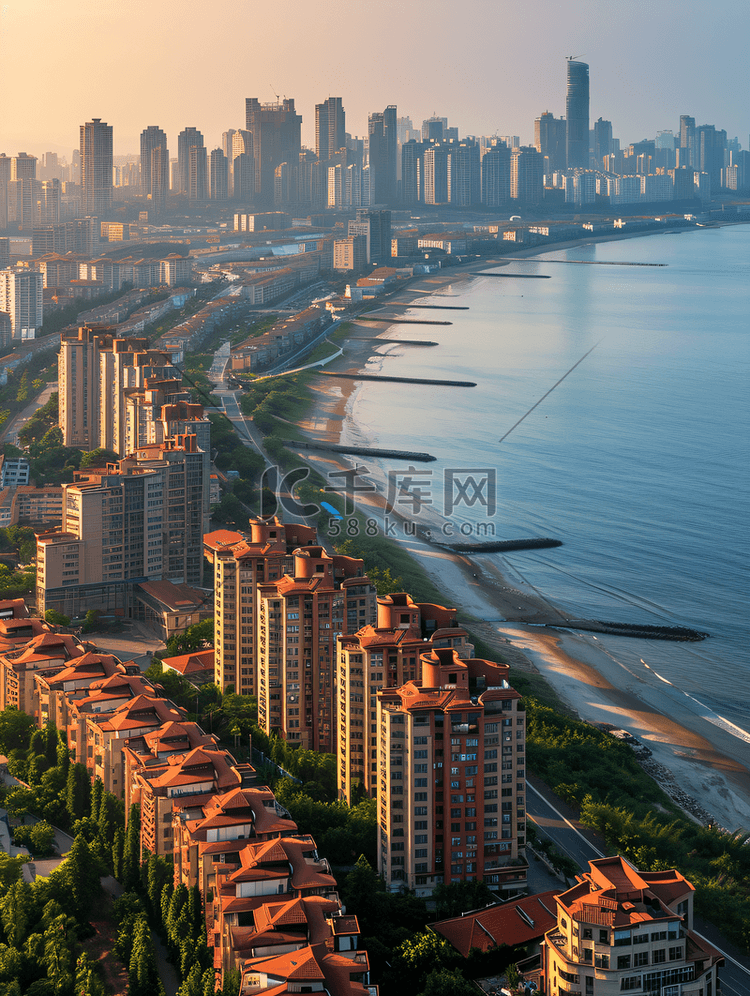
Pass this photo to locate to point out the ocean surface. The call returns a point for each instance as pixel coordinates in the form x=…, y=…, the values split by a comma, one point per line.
x=639, y=460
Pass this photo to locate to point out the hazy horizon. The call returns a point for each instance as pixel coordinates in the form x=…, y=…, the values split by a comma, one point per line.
x=491, y=70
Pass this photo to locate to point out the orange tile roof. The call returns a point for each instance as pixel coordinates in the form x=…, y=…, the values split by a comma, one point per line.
x=490, y=928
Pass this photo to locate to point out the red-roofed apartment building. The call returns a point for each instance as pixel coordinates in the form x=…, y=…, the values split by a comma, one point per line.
x=275, y=870
x=47, y=651
x=212, y=834
x=383, y=656
x=621, y=930
x=300, y=617
x=241, y=563
x=451, y=754
x=180, y=785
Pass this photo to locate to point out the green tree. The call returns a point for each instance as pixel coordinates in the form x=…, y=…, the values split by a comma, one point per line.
x=82, y=873
x=15, y=730
x=56, y=618
x=23, y=387
x=131, y=856
x=143, y=977
x=118, y=847
x=15, y=908
x=99, y=457
x=78, y=792
x=97, y=790
x=443, y=982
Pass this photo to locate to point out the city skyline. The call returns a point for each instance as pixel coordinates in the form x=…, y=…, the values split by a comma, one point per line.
x=647, y=68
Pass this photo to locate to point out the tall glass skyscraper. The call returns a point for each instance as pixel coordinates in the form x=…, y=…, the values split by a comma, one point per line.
x=577, y=115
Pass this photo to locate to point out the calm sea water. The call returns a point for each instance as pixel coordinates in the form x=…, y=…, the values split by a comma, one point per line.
x=639, y=461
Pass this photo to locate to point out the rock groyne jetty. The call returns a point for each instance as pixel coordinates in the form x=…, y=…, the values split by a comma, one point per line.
x=513, y=276
x=501, y=546
x=398, y=320
x=399, y=380
x=372, y=451
x=645, y=632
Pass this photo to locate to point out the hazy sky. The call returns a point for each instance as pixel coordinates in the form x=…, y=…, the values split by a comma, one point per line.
x=489, y=66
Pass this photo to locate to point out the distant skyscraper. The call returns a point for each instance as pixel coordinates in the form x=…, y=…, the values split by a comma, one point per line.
x=21, y=297
x=383, y=131
x=710, y=145
x=197, y=173
x=465, y=188
x=526, y=176
x=577, y=114
x=96, y=167
x=219, y=176
x=687, y=141
x=436, y=179
x=496, y=176
x=412, y=172
x=549, y=139
x=330, y=128
x=602, y=139
x=276, y=139
x=242, y=169
x=154, y=166
x=187, y=138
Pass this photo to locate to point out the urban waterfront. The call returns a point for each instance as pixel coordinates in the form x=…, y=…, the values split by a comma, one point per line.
x=637, y=461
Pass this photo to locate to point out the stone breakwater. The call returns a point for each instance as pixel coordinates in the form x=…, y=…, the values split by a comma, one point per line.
x=500, y=546
x=362, y=451
x=667, y=781
x=643, y=631
x=399, y=380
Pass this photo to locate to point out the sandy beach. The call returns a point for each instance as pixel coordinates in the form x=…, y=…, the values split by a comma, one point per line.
x=692, y=753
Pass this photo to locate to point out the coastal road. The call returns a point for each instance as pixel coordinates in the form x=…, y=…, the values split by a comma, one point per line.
x=578, y=843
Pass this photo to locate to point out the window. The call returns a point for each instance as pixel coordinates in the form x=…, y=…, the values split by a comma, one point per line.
x=622, y=939
x=640, y=958
x=659, y=956
x=623, y=961
x=675, y=954
x=601, y=960
x=631, y=982
x=587, y=934
x=604, y=937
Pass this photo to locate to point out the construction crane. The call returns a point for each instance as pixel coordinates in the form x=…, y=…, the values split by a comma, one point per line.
x=572, y=58
x=273, y=91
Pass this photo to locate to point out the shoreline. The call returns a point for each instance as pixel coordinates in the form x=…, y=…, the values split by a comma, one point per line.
x=692, y=752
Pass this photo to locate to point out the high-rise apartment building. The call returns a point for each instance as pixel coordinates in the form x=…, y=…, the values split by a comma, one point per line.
x=219, y=176
x=623, y=930
x=465, y=174
x=300, y=617
x=577, y=115
x=550, y=136
x=241, y=563
x=385, y=655
x=436, y=183
x=375, y=226
x=197, y=173
x=526, y=175
x=112, y=392
x=330, y=128
x=496, y=176
x=21, y=297
x=687, y=141
x=451, y=770
x=602, y=139
x=275, y=128
x=187, y=139
x=154, y=167
x=412, y=172
x=5, y=174
x=710, y=145
x=96, y=167
x=383, y=137
x=141, y=520
x=242, y=168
